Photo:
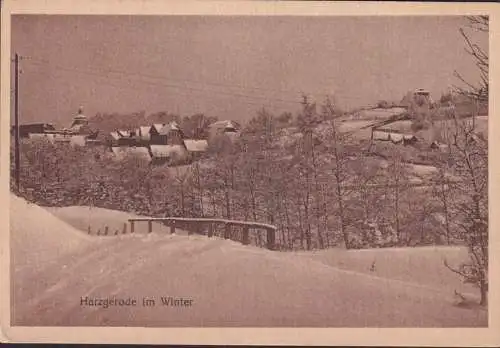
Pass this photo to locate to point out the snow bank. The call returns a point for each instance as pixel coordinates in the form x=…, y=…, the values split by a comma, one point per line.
x=37, y=236
x=230, y=285
x=419, y=265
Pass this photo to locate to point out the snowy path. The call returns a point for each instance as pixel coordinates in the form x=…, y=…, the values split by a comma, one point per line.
x=230, y=285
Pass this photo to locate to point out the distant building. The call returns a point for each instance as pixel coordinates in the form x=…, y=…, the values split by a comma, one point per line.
x=155, y=128
x=196, y=145
x=227, y=127
x=115, y=135
x=42, y=136
x=195, y=148
x=173, y=133
x=165, y=143
x=33, y=128
x=171, y=154
x=123, y=152
x=145, y=133
x=393, y=136
x=419, y=97
x=79, y=121
x=80, y=128
x=422, y=92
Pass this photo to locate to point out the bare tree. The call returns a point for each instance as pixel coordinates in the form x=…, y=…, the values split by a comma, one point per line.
x=397, y=183
x=442, y=191
x=338, y=156
x=478, y=92
x=470, y=163
x=469, y=158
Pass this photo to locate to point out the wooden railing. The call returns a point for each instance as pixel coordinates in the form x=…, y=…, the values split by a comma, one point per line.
x=198, y=224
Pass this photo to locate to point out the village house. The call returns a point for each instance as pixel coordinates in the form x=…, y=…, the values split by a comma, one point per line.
x=169, y=147
x=78, y=134
x=164, y=143
x=145, y=133
x=397, y=131
x=122, y=152
x=154, y=134
x=227, y=127
x=196, y=148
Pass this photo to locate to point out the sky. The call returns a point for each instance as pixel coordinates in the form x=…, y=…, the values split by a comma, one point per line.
x=229, y=66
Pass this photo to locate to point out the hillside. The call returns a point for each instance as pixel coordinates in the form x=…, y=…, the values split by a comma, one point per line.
x=230, y=284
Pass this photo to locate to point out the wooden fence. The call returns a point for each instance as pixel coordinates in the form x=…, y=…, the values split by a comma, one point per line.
x=194, y=225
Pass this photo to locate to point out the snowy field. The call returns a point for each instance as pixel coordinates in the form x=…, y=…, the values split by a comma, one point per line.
x=54, y=265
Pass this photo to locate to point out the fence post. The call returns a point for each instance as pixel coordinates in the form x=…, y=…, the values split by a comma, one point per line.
x=227, y=231
x=106, y=230
x=150, y=226
x=210, y=230
x=270, y=238
x=124, y=228
x=89, y=230
x=172, y=227
x=245, y=240
x=132, y=226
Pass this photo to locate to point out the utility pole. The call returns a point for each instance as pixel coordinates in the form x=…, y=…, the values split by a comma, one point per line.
x=16, y=120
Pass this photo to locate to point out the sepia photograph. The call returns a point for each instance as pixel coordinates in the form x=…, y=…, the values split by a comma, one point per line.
x=257, y=171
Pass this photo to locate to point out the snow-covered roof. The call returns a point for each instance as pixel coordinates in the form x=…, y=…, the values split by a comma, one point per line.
x=158, y=126
x=115, y=135
x=421, y=91
x=123, y=133
x=218, y=124
x=196, y=145
x=78, y=140
x=122, y=152
x=165, y=151
x=396, y=137
x=173, y=126
x=42, y=136
x=223, y=124
x=230, y=125
x=144, y=130
x=379, y=135
x=75, y=127
x=409, y=137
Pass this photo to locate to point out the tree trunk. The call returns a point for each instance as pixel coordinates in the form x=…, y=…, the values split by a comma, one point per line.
x=396, y=208
x=338, y=182
x=484, y=293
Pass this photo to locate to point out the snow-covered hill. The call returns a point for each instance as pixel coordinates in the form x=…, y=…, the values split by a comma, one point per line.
x=227, y=284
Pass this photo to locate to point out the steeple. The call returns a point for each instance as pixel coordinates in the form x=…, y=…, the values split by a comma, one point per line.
x=80, y=119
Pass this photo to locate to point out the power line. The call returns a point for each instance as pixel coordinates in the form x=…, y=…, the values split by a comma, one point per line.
x=166, y=51
x=98, y=72
x=148, y=83
x=219, y=84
